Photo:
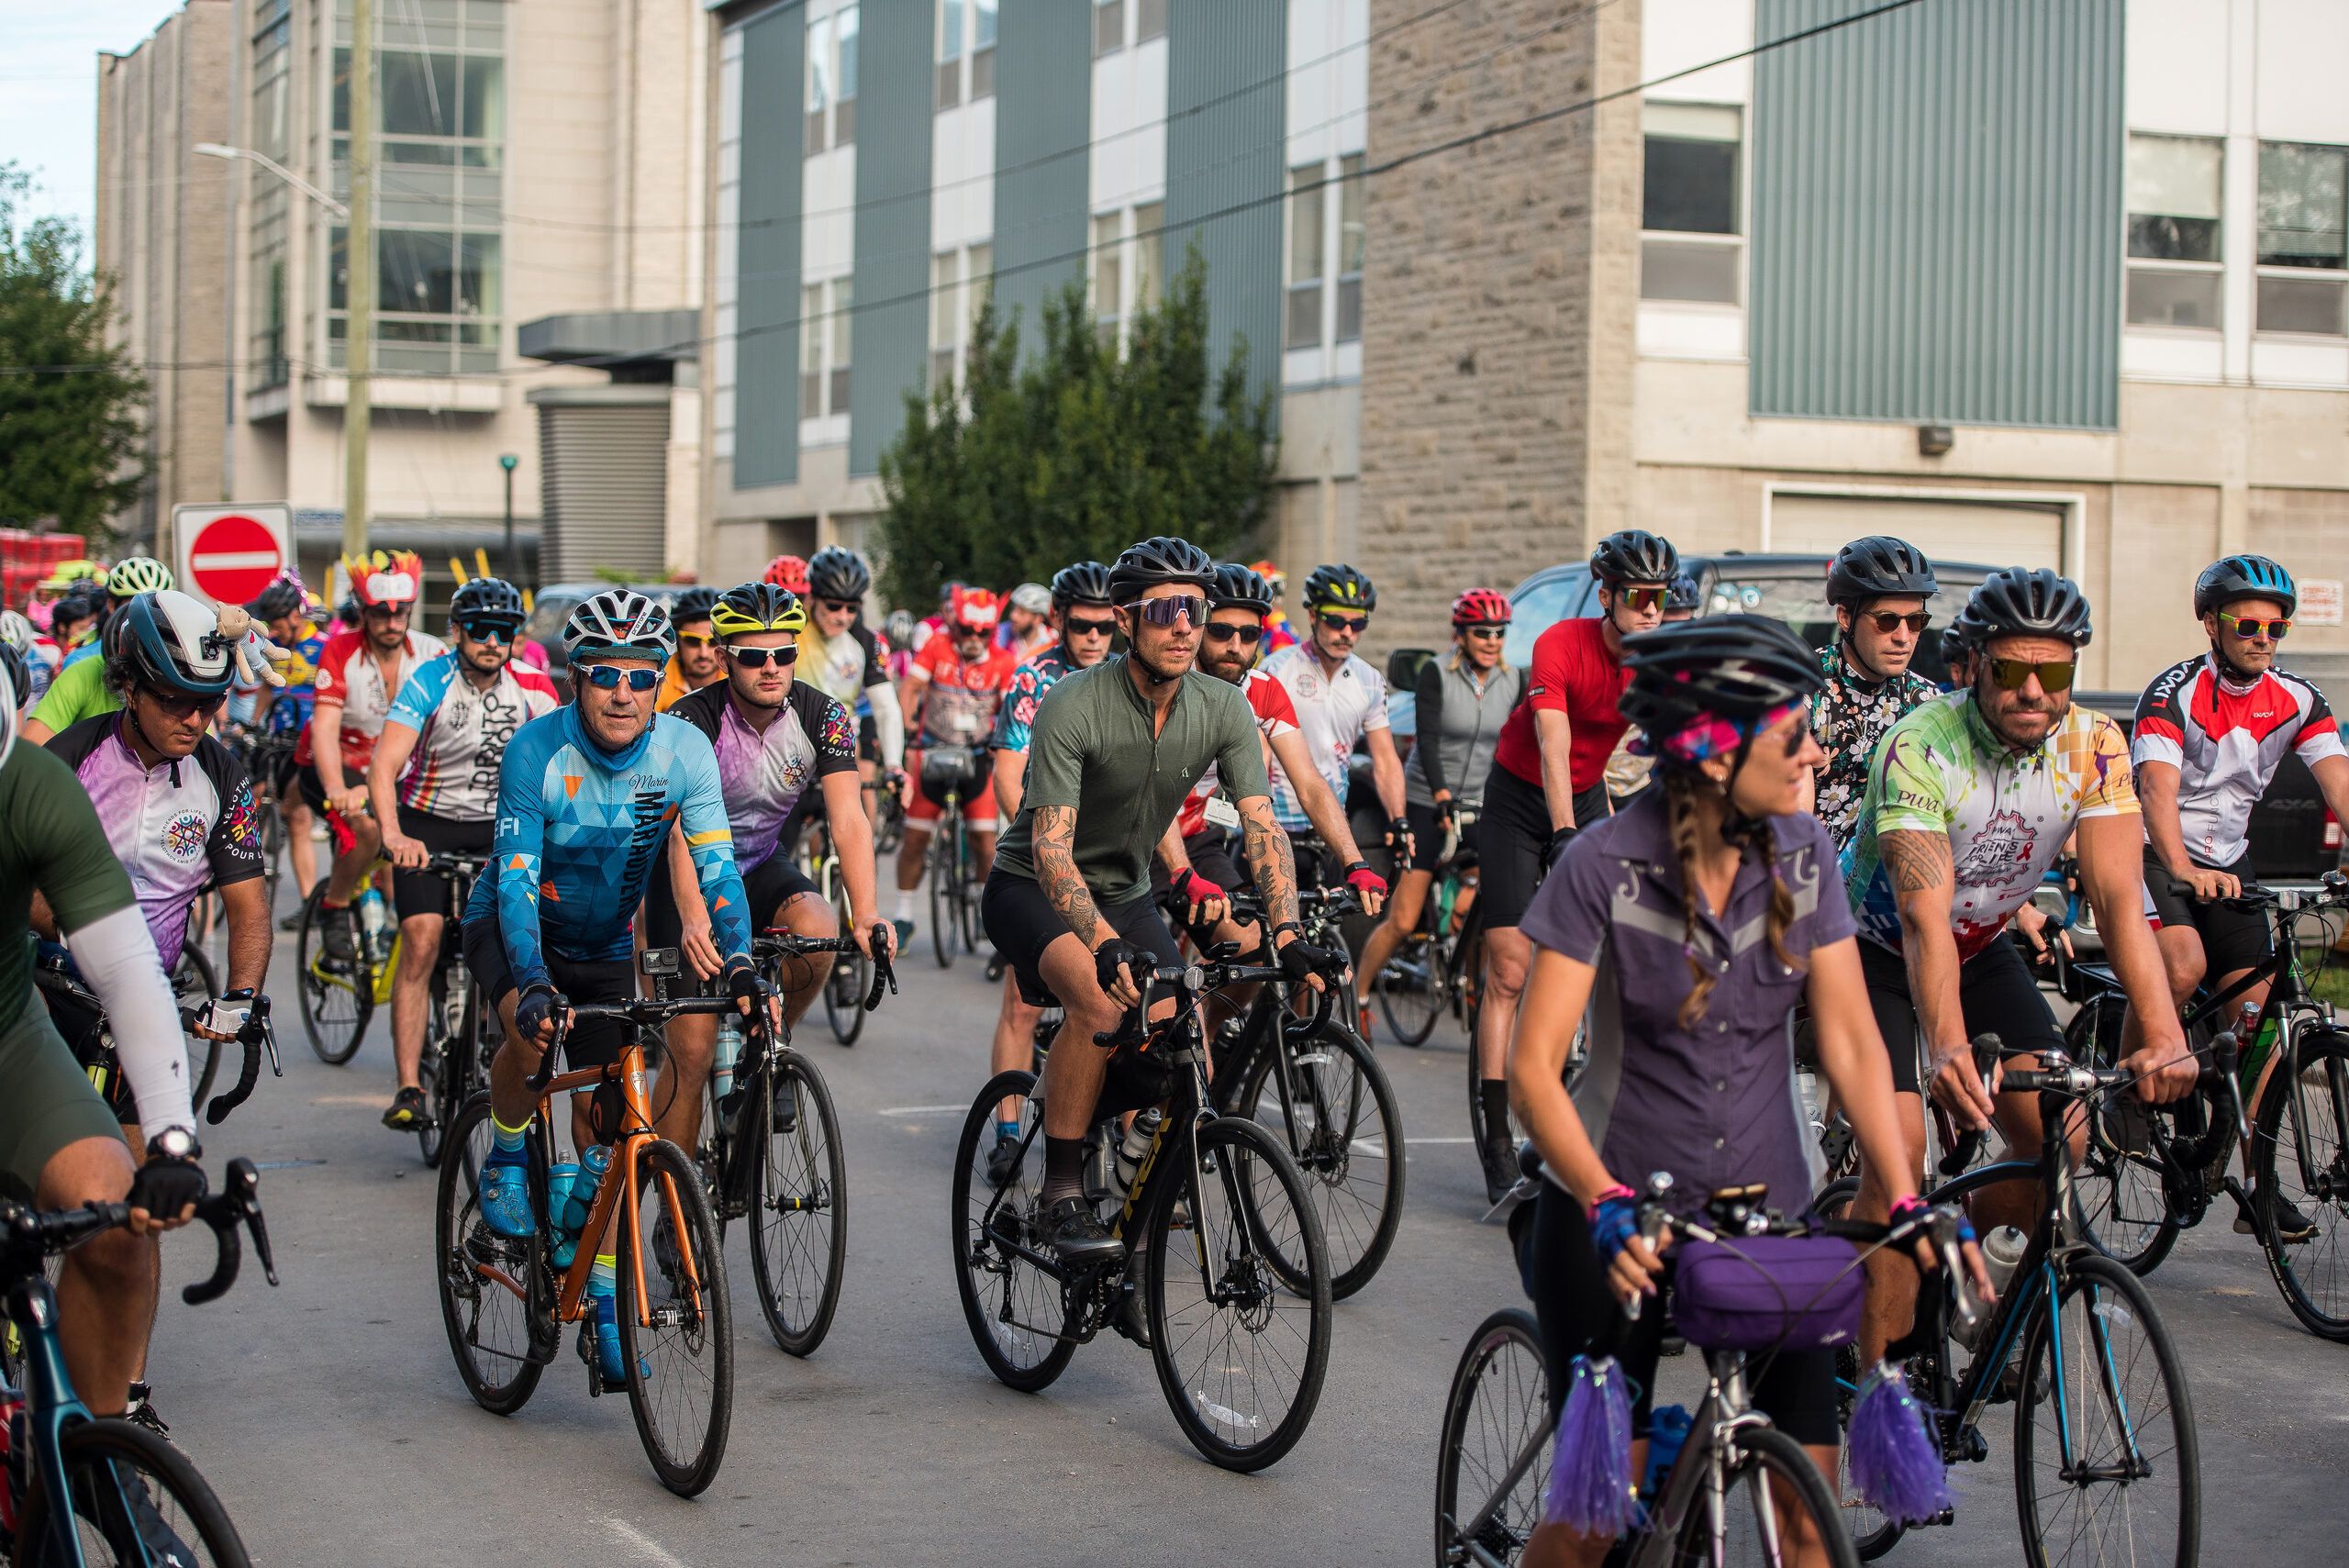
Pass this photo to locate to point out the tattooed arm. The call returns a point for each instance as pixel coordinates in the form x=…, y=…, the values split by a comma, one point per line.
x=1918, y=864
x=1063, y=885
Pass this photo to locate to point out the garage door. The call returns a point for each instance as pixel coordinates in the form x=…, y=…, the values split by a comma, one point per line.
x=1983, y=533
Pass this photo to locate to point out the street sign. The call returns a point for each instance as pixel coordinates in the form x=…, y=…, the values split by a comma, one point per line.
x=227, y=554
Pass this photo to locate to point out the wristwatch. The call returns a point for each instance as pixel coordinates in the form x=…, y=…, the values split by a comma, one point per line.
x=174, y=1143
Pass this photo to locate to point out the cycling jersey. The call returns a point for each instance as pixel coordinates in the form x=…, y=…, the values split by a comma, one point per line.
x=76, y=694
x=2225, y=740
x=1332, y=712
x=349, y=674
x=1015, y=720
x=83, y=653
x=1850, y=716
x=50, y=839
x=292, y=708
x=178, y=828
x=1039, y=637
x=843, y=666
x=1276, y=717
x=1571, y=673
x=1940, y=770
x=764, y=772
x=461, y=734
x=959, y=701
x=581, y=831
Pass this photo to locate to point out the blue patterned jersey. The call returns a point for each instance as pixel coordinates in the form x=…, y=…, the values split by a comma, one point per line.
x=581, y=831
x=1015, y=721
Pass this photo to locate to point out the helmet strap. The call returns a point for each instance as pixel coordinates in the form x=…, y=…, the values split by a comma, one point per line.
x=2229, y=668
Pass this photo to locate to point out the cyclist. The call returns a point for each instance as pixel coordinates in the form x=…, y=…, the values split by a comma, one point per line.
x=1548, y=772
x=1970, y=798
x=697, y=664
x=284, y=612
x=586, y=796
x=1278, y=633
x=73, y=698
x=955, y=689
x=1878, y=588
x=1628, y=773
x=453, y=720
x=1339, y=698
x=17, y=632
x=931, y=625
x=131, y=576
x=1114, y=751
x=1686, y=927
x=789, y=572
x=2210, y=732
x=360, y=674
x=845, y=660
x=1026, y=628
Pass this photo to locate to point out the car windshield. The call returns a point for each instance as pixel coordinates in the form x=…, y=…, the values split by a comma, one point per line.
x=1541, y=607
x=1801, y=602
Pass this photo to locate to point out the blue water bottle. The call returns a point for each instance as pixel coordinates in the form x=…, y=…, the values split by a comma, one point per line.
x=580, y=1200
x=559, y=1180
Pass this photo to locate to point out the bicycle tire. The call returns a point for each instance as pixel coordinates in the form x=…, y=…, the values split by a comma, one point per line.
x=194, y=983
x=967, y=885
x=1764, y=1455
x=500, y=1374
x=2114, y=1300
x=799, y=1209
x=2115, y=1191
x=1409, y=987
x=1357, y=1225
x=850, y=978
x=336, y=1008
x=686, y=1453
x=2285, y=1156
x=439, y=1044
x=1499, y=1402
x=1235, y=1157
x=107, y=1524
x=1007, y=1299
x=941, y=872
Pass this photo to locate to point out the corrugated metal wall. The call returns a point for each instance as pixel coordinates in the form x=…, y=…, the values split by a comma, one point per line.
x=766, y=361
x=604, y=487
x=1228, y=154
x=893, y=85
x=1936, y=213
x=1043, y=128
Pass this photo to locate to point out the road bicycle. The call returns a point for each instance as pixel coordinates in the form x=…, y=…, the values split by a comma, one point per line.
x=1225, y=1278
x=60, y=983
x=459, y=1029
x=83, y=1490
x=261, y=754
x=851, y=977
x=338, y=997
x=1439, y=967
x=503, y=1304
x=947, y=774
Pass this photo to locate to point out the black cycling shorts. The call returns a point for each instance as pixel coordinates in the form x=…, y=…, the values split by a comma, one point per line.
x=312, y=793
x=2232, y=939
x=1994, y=992
x=1580, y=1315
x=1512, y=837
x=597, y=1042
x=1427, y=838
x=425, y=892
x=769, y=885
x=1021, y=923
x=868, y=740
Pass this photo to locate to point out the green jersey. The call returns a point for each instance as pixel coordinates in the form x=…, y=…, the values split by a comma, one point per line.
x=77, y=693
x=50, y=839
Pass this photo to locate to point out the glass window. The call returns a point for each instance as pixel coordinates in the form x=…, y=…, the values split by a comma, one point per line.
x=418, y=93
x=1704, y=275
x=844, y=78
x=2174, y=197
x=484, y=111
x=1150, y=253
x=811, y=351
x=1149, y=20
x=1109, y=297
x=950, y=29
x=983, y=23
x=1349, y=248
x=979, y=272
x=1690, y=183
x=843, y=299
x=415, y=272
x=819, y=88
x=1304, y=252
x=2164, y=296
x=1109, y=25
x=2302, y=304
x=2301, y=208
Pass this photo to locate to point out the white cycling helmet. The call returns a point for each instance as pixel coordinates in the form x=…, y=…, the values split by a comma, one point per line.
x=619, y=624
x=12, y=671
x=17, y=632
x=1033, y=598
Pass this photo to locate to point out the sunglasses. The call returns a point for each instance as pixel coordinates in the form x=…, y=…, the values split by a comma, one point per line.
x=1219, y=632
x=488, y=631
x=1800, y=735
x=1886, y=620
x=1078, y=628
x=842, y=607
x=1168, y=610
x=184, y=704
x=1355, y=624
x=1494, y=633
x=1641, y=598
x=608, y=677
x=696, y=642
x=389, y=612
x=2249, y=629
x=2054, y=674
x=962, y=632
x=760, y=658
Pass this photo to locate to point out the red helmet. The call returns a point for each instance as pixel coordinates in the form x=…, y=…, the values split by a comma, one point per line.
x=1480, y=606
x=788, y=571
x=974, y=607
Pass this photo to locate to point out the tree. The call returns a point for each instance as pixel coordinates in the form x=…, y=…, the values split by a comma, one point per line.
x=1078, y=452
x=70, y=431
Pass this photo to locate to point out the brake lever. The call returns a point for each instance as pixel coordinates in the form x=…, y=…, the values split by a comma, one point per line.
x=1652, y=1222
x=237, y=1203
x=1944, y=1235
x=253, y=1036
x=1987, y=1047
x=884, y=966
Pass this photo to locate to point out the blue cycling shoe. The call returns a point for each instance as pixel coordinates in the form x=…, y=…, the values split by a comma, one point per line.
x=506, y=1198
x=605, y=1326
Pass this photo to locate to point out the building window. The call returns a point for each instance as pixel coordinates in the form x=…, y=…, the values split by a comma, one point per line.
x=272, y=79
x=1690, y=203
x=965, y=51
x=1325, y=250
x=1129, y=255
x=831, y=81
x=1350, y=246
x=2174, y=277
x=1307, y=187
x=2303, y=238
x=1112, y=17
x=824, y=347
x=959, y=282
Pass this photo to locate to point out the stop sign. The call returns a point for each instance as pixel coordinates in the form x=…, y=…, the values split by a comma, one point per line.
x=232, y=558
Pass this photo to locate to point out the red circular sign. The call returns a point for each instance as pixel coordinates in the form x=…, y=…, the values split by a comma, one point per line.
x=233, y=557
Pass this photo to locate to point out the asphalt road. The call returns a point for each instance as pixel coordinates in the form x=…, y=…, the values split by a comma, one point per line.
x=331, y=1419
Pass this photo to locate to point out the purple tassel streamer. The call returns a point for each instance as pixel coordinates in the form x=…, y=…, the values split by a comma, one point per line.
x=1895, y=1461
x=1590, y=1477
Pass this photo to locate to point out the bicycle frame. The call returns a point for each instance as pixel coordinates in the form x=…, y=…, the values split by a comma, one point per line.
x=51, y=1407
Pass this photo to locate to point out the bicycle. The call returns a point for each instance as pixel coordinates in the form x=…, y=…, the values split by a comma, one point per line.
x=455, y=1063
x=58, y=981
x=504, y=1305
x=1439, y=966
x=338, y=997
x=1232, y=1272
x=851, y=977
x=946, y=772
x=88, y=1490
x=261, y=754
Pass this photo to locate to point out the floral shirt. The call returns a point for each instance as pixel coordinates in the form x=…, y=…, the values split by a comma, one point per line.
x=1851, y=716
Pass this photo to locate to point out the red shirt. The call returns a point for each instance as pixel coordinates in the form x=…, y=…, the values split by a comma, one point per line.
x=1275, y=715
x=1575, y=674
x=959, y=700
x=349, y=675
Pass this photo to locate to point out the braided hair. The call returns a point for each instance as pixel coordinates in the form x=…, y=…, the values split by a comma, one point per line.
x=1681, y=783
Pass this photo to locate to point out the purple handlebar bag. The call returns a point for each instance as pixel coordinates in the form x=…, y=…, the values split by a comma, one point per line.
x=1765, y=1293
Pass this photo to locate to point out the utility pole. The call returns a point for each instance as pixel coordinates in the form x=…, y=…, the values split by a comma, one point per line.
x=359, y=269
x=513, y=567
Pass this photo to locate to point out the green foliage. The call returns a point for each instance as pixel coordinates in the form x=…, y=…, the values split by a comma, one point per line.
x=68, y=438
x=1077, y=453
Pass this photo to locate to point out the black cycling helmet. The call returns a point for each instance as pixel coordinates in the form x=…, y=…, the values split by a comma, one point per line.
x=2018, y=602
x=1161, y=560
x=1086, y=582
x=1682, y=594
x=280, y=598
x=837, y=573
x=1737, y=667
x=487, y=598
x=2245, y=577
x=1879, y=567
x=757, y=606
x=1338, y=588
x=693, y=604
x=1239, y=587
x=1634, y=555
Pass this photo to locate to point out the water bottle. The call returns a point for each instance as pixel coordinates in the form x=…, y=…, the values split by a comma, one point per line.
x=1668, y=1430
x=559, y=1180
x=730, y=1051
x=2002, y=1251
x=2254, y=1040
x=374, y=924
x=580, y=1201
x=1139, y=1137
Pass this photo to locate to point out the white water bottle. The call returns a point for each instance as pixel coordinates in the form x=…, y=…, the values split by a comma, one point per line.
x=1135, y=1147
x=730, y=1051
x=2002, y=1251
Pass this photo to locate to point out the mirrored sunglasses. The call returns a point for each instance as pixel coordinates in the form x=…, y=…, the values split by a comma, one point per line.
x=2054, y=674
x=1356, y=624
x=488, y=631
x=1168, y=610
x=608, y=677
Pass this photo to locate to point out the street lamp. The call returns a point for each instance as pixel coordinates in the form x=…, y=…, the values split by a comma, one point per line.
x=513, y=567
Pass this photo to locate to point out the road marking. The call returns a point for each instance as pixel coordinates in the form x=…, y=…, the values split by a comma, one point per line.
x=905, y=1110
x=290, y=1164
x=648, y=1549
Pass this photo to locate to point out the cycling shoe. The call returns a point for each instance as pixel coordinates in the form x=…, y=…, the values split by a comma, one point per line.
x=505, y=1199
x=603, y=1325
x=1079, y=1238
x=1003, y=1160
x=411, y=1111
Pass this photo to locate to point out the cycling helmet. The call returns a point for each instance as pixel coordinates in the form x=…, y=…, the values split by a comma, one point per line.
x=1158, y=560
x=1732, y=667
x=1274, y=578
x=16, y=632
x=837, y=573
x=1878, y=567
x=1956, y=644
x=1339, y=588
x=974, y=607
x=487, y=598
x=2245, y=577
x=693, y=604
x=1086, y=582
x=386, y=581
x=1033, y=598
x=168, y=638
x=1634, y=555
x=757, y=606
x=77, y=606
x=618, y=623
x=1239, y=587
x=11, y=665
x=1480, y=606
x=137, y=574
x=788, y=571
x=899, y=628
x=1683, y=594
x=69, y=573
x=2018, y=602
x=280, y=598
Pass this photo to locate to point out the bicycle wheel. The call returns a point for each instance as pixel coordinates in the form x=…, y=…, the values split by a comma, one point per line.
x=1411, y=988
x=2301, y=1159
x=1240, y=1353
x=1344, y=1132
x=337, y=997
x=681, y=1365
x=2106, y=1464
x=799, y=1228
x=1499, y=1407
x=136, y=1500
x=2123, y=1205
x=1770, y=1492
x=193, y=984
x=850, y=977
x=944, y=869
x=1018, y=1314
x=441, y=1036
x=967, y=886
x=483, y=1276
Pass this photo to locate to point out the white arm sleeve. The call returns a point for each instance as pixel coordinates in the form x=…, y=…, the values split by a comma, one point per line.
x=888, y=723
x=116, y=955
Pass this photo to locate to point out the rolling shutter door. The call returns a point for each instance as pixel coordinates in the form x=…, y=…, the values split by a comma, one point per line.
x=1983, y=533
x=604, y=486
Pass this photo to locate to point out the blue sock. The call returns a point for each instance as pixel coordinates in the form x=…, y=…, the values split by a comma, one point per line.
x=603, y=1274
x=1007, y=1128
x=507, y=1139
